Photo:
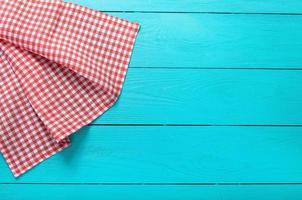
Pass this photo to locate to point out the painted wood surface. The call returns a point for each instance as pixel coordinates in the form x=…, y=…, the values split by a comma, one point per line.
x=178, y=40
x=244, y=6
x=164, y=154
x=180, y=192
x=211, y=109
x=194, y=96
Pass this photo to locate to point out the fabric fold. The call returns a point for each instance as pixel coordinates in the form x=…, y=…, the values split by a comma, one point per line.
x=66, y=64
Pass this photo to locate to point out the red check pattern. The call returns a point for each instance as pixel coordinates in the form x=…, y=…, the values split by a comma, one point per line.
x=61, y=66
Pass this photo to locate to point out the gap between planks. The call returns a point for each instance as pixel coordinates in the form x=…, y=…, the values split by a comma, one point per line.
x=222, y=68
x=197, y=12
x=159, y=184
x=239, y=125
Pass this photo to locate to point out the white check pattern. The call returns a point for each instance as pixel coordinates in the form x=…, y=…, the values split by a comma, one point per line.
x=62, y=65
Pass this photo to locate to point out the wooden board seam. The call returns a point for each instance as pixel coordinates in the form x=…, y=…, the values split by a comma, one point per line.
x=162, y=184
x=201, y=12
x=185, y=125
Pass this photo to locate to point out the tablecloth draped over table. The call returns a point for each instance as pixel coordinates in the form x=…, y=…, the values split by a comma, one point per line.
x=61, y=66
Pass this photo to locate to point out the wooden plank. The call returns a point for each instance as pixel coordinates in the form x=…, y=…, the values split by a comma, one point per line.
x=217, y=41
x=255, y=6
x=167, y=154
x=217, y=192
x=178, y=96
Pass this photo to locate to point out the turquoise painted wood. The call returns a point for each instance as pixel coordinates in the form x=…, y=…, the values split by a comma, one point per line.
x=250, y=6
x=214, y=192
x=217, y=41
x=234, y=66
x=167, y=154
x=194, y=96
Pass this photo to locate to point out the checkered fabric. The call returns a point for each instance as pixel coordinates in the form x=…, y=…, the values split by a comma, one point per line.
x=61, y=66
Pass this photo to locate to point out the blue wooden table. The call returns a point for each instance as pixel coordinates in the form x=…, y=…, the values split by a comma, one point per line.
x=211, y=109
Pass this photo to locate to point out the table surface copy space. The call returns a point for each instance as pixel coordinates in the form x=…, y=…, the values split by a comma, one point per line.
x=211, y=108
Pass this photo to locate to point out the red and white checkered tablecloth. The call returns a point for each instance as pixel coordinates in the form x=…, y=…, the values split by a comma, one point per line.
x=61, y=66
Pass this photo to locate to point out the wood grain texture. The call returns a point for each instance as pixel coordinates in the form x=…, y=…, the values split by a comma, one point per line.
x=216, y=192
x=173, y=155
x=192, y=96
x=255, y=6
x=216, y=41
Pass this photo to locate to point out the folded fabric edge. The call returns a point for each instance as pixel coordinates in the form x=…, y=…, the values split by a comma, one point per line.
x=110, y=101
x=45, y=149
x=60, y=139
x=16, y=173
